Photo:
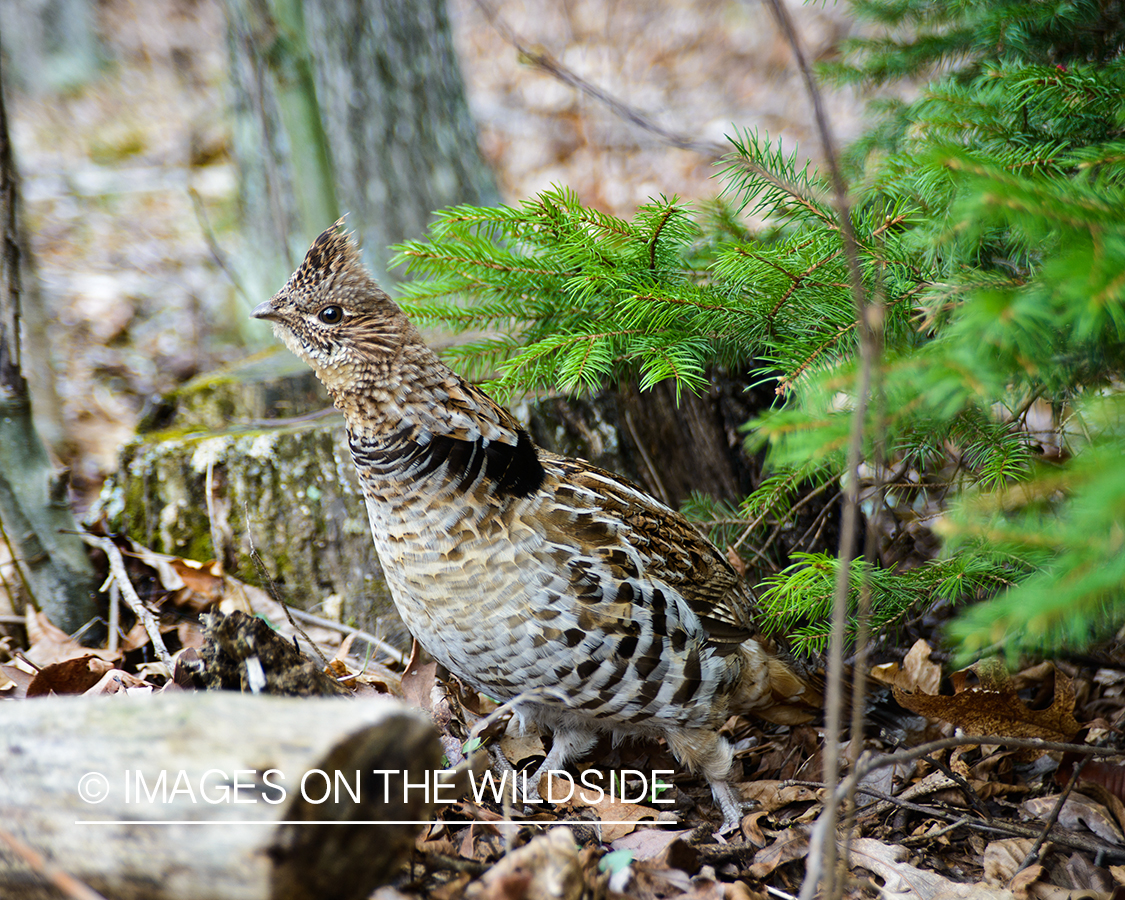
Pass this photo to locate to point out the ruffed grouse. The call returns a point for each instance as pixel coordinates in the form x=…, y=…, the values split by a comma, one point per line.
x=516, y=568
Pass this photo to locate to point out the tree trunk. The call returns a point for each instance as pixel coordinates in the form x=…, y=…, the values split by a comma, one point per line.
x=35, y=517
x=356, y=105
x=52, y=44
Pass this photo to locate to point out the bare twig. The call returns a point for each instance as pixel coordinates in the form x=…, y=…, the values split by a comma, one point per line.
x=309, y=618
x=213, y=245
x=874, y=762
x=540, y=59
x=66, y=883
x=656, y=480
x=822, y=850
x=1088, y=843
x=967, y=789
x=119, y=576
x=1036, y=848
x=273, y=591
x=114, y=617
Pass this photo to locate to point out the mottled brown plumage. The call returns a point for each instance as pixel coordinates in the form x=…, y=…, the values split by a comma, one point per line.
x=516, y=568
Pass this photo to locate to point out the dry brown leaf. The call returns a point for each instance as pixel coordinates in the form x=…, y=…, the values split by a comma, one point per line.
x=546, y=868
x=1110, y=776
x=648, y=843
x=916, y=673
x=994, y=708
x=652, y=880
x=903, y=881
x=518, y=747
x=618, y=818
x=418, y=683
x=793, y=843
x=71, y=676
x=752, y=830
x=1078, y=810
x=1003, y=858
x=117, y=680
x=773, y=795
x=1040, y=891
x=203, y=584
x=1022, y=882
x=1109, y=800
x=50, y=644
x=1079, y=870
x=736, y=561
x=14, y=680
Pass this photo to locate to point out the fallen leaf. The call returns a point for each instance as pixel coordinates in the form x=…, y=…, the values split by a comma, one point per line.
x=203, y=584
x=14, y=680
x=116, y=681
x=1110, y=776
x=546, y=868
x=1078, y=810
x=1022, y=882
x=793, y=843
x=648, y=843
x=418, y=682
x=71, y=676
x=618, y=818
x=903, y=881
x=917, y=671
x=773, y=795
x=1003, y=858
x=50, y=644
x=994, y=708
x=518, y=747
x=751, y=830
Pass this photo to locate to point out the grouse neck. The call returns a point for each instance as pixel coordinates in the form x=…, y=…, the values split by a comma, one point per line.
x=430, y=430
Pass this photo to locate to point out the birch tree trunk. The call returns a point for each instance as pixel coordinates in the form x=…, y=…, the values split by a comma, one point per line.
x=35, y=517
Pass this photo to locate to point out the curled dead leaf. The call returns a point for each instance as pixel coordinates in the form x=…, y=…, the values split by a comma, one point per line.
x=917, y=672
x=71, y=676
x=793, y=843
x=995, y=708
x=618, y=817
x=1076, y=812
x=547, y=868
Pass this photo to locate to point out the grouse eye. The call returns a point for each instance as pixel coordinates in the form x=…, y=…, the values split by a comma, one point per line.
x=330, y=315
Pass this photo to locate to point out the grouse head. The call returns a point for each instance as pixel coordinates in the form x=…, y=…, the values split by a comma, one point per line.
x=333, y=315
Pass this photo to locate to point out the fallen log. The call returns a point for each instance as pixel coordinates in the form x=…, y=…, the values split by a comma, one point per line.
x=210, y=795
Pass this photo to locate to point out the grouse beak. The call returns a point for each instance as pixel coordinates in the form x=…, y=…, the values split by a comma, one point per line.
x=264, y=311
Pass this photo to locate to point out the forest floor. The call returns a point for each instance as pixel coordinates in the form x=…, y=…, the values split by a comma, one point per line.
x=124, y=179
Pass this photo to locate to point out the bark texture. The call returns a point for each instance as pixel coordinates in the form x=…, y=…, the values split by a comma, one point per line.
x=376, y=83
x=52, y=44
x=35, y=515
x=232, y=466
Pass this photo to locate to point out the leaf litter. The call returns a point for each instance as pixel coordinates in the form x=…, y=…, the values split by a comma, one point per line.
x=958, y=822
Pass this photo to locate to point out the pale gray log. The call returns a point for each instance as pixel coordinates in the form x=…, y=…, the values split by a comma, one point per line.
x=48, y=745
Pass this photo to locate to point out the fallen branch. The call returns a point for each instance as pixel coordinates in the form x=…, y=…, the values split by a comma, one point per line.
x=120, y=577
